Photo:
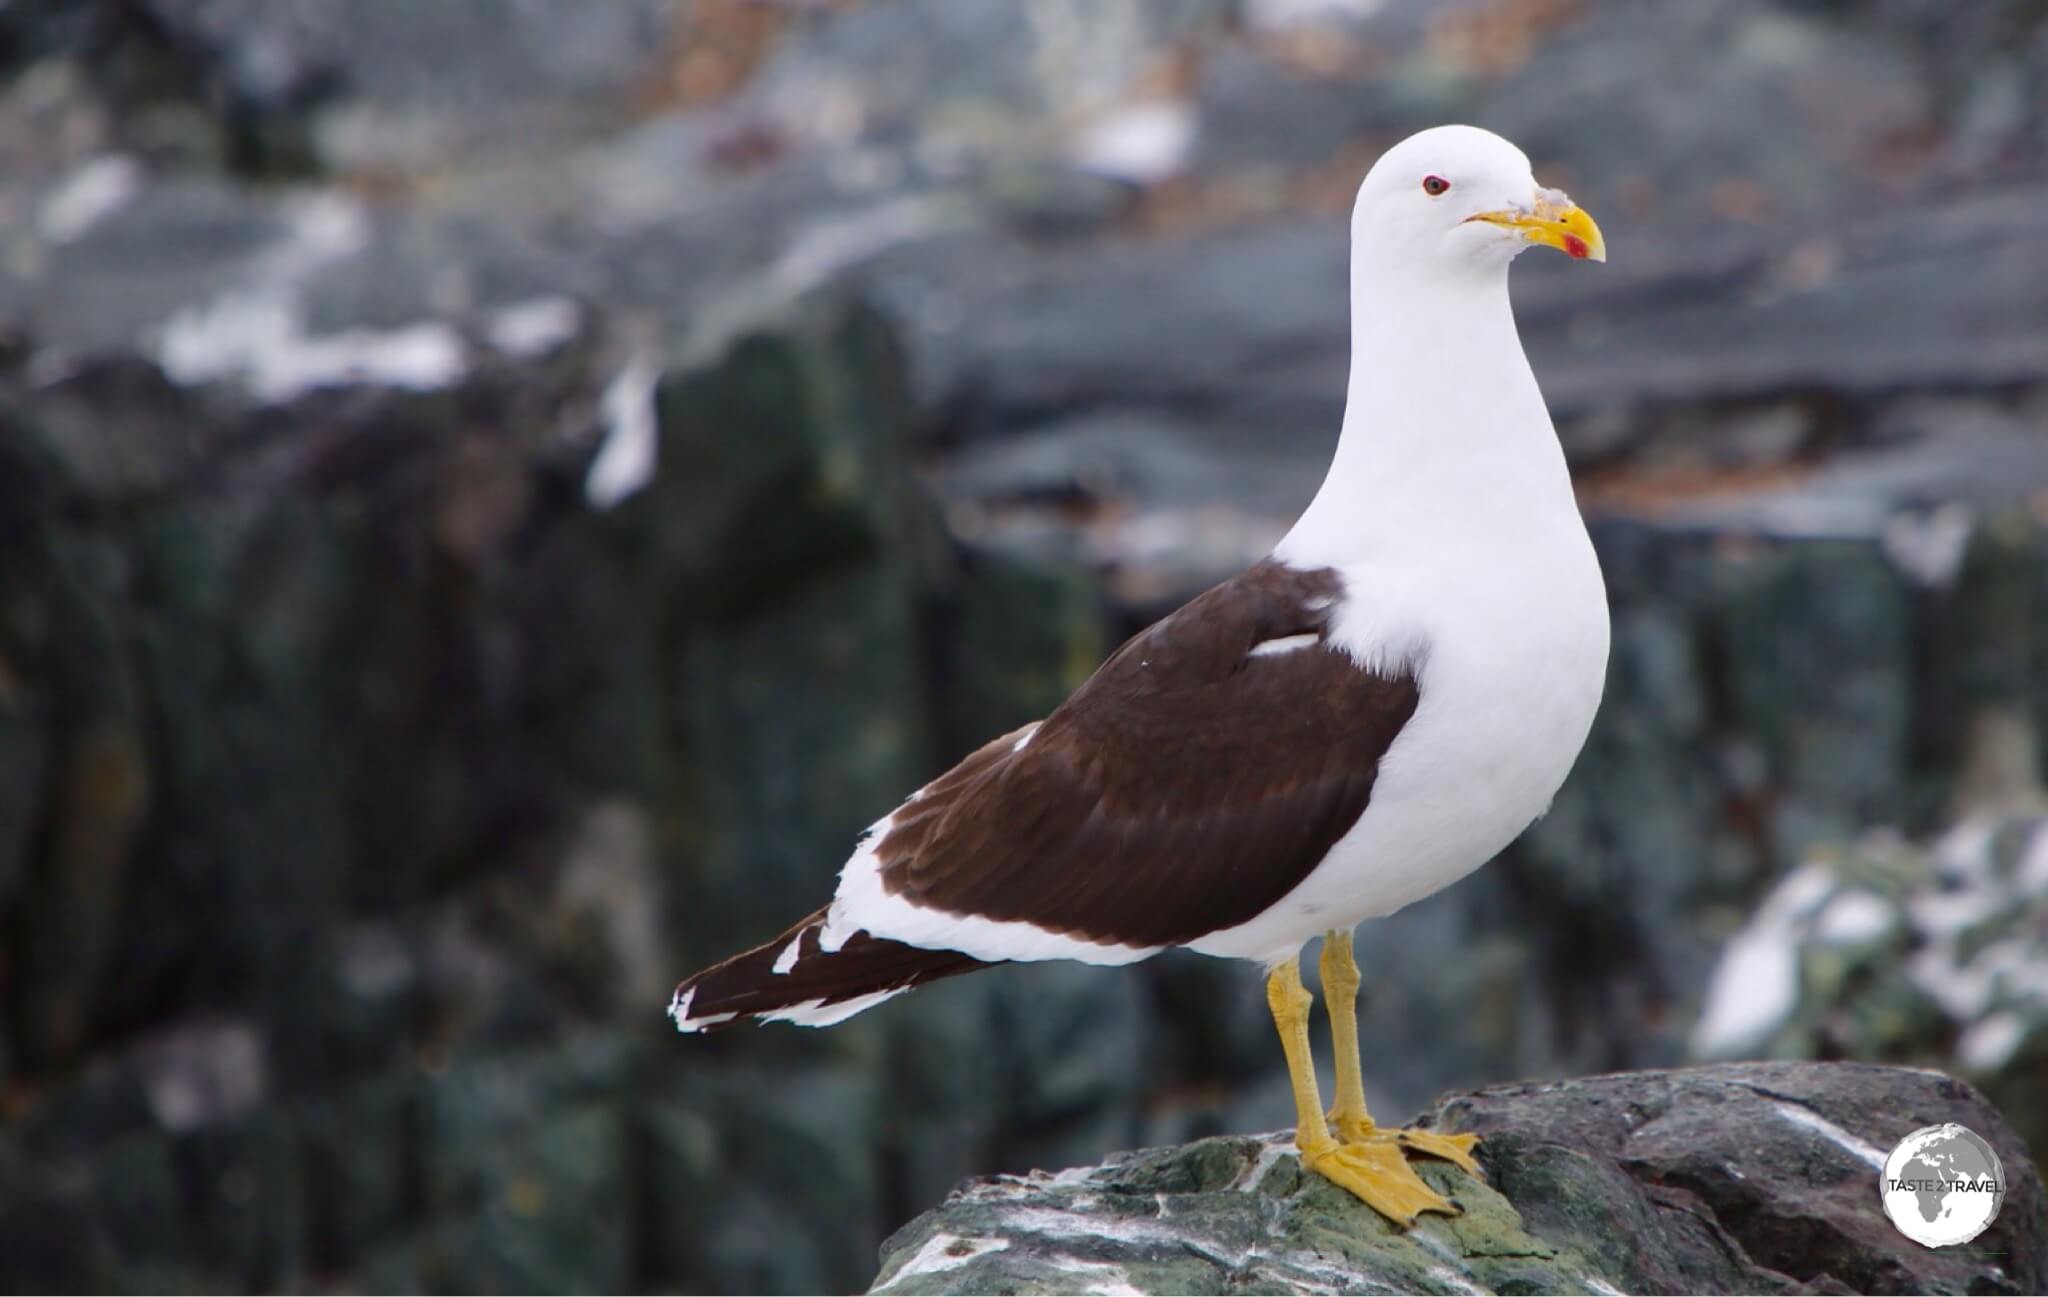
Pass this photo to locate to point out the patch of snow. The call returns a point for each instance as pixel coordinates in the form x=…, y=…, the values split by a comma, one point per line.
x=1855, y=917
x=1755, y=987
x=2021, y=971
x=1990, y=1043
x=1966, y=990
x=534, y=328
x=1961, y=992
x=1281, y=15
x=1963, y=853
x=195, y=1074
x=259, y=337
x=256, y=332
x=1930, y=548
x=2032, y=873
x=1945, y=914
x=320, y=230
x=1980, y=990
x=1142, y=143
x=625, y=461
x=88, y=196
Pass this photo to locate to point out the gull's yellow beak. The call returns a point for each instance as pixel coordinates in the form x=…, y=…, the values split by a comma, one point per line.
x=1553, y=221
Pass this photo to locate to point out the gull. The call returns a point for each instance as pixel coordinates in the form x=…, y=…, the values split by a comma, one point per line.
x=1355, y=722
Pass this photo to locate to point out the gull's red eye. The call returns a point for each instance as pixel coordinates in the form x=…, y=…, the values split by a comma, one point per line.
x=1435, y=186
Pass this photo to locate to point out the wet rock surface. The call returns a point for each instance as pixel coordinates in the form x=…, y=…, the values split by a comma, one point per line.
x=1740, y=1178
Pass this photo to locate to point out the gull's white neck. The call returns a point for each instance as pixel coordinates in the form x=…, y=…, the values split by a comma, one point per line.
x=1442, y=417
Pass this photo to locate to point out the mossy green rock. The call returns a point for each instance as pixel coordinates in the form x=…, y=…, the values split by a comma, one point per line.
x=1750, y=1178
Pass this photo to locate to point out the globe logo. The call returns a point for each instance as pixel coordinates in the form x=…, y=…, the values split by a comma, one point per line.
x=1943, y=1185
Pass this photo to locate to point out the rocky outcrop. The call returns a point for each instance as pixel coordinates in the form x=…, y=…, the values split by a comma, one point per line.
x=1740, y=1178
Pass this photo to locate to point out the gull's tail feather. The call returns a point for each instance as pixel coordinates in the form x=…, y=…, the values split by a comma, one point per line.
x=793, y=979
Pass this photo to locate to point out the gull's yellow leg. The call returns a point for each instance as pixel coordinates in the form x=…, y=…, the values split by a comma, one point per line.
x=1376, y=1172
x=1349, y=1119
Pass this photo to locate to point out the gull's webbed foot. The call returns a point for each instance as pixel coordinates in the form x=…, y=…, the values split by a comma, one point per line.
x=1377, y=1173
x=1431, y=1143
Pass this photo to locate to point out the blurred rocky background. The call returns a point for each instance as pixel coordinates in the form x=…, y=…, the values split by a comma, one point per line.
x=494, y=497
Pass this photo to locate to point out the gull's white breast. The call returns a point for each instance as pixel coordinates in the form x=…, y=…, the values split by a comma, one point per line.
x=1503, y=615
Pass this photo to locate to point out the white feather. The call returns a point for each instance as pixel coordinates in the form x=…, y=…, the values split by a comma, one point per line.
x=679, y=1009
x=1285, y=644
x=862, y=905
x=817, y=1013
x=787, y=959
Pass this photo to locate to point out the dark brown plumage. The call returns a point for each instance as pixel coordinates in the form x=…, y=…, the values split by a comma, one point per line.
x=1186, y=787
x=1183, y=789
x=747, y=984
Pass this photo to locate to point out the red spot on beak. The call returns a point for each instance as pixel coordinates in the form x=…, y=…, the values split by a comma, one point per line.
x=1576, y=246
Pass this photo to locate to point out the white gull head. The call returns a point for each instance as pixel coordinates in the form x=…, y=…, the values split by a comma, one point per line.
x=1460, y=198
x=1440, y=403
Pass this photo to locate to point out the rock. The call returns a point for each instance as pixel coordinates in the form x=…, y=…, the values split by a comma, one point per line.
x=1750, y=1178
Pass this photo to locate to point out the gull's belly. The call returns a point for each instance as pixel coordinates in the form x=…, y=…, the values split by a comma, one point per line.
x=1509, y=690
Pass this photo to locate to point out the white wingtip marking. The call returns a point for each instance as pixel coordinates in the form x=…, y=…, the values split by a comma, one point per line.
x=817, y=1013
x=787, y=959
x=679, y=1009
